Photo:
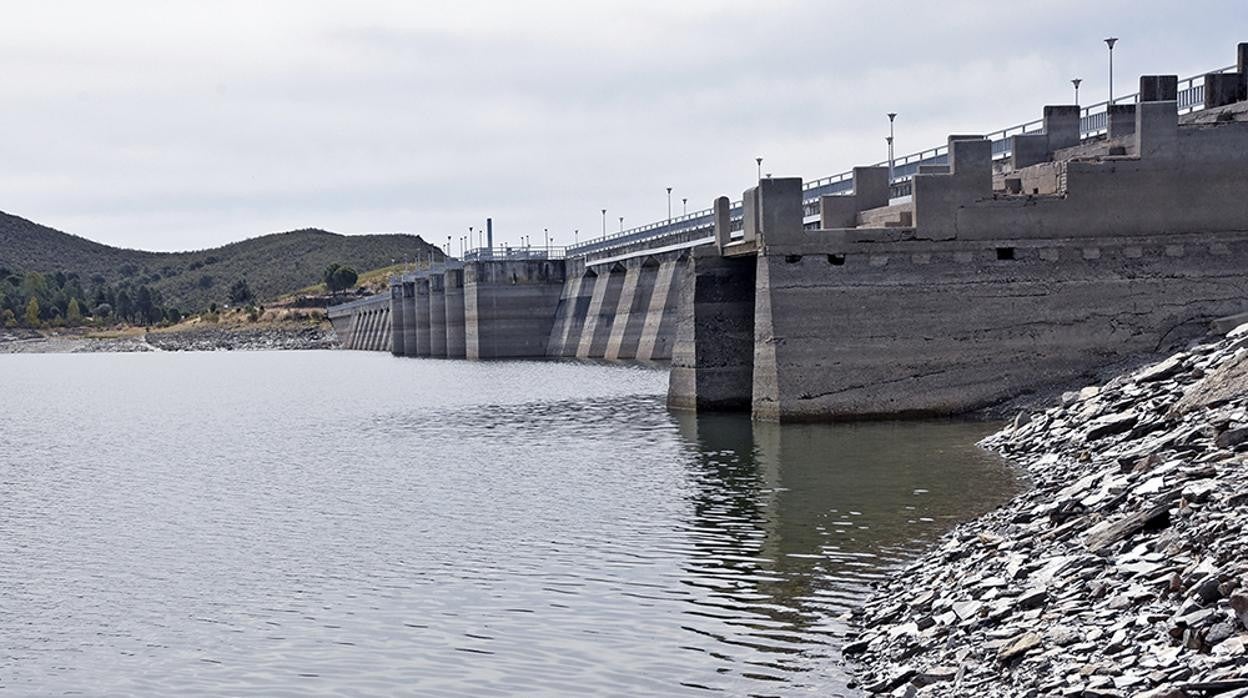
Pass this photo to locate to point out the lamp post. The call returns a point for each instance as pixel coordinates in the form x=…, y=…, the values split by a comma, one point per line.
x=621, y=224
x=1110, y=43
x=1076, y=82
x=604, y=222
x=759, y=161
x=576, y=236
x=547, y=232
x=669, y=204
x=684, y=204
x=892, y=116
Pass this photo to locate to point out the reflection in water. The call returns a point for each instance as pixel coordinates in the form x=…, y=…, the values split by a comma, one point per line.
x=794, y=522
x=227, y=524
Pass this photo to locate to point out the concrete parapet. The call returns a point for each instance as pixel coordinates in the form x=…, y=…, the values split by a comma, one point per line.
x=437, y=316
x=871, y=190
x=937, y=197
x=749, y=214
x=1061, y=125
x=453, y=290
x=713, y=358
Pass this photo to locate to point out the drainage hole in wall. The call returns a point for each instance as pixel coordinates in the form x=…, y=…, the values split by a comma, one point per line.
x=792, y=258
x=1005, y=253
x=836, y=260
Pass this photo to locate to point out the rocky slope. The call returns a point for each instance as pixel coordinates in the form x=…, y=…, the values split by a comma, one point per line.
x=1123, y=571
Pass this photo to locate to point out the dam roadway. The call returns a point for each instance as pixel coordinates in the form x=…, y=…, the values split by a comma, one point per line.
x=1019, y=261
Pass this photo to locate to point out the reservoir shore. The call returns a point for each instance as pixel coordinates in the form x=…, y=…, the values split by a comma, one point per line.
x=1121, y=571
x=201, y=337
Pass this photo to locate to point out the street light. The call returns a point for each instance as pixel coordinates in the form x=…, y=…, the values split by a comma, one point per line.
x=892, y=116
x=669, y=204
x=621, y=224
x=576, y=236
x=760, y=167
x=684, y=203
x=1076, y=82
x=1110, y=43
x=547, y=232
x=604, y=222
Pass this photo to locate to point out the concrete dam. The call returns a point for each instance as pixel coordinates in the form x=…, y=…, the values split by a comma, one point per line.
x=960, y=277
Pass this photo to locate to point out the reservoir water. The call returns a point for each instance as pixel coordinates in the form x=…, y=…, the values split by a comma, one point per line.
x=347, y=523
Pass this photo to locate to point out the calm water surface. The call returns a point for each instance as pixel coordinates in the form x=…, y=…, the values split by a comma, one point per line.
x=345, y=523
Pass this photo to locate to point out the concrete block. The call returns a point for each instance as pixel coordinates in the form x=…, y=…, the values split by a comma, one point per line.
x=1159, y=88
x=723, y=222
x=838, y=211
x=509, y=307
x=871, y=187
x=1157, y=129
x=780, y=210
x=565, y=336
x=933, y=169
x=1029, y=149
x=1121, y=119
x=1061, y=125
x=749, y=214
x=970, y=161
x=1222, y=89
x=1242, y=58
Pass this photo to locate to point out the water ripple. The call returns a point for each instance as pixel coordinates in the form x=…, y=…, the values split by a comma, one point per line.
x=342, y=523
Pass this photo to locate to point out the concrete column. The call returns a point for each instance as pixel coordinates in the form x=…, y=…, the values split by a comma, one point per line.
x=348, y=338
x=713, y=359
x=723, y=222
x=601, y=313
x=565, y=337
x=384, y=339
x=1159, y=88
x=409, y=318
x=749, y=214
x=396, y=321
x=453, y=283
x=422, y=317
x=630, y=312
x=1061, y=126
x=780, y=210
x=366, y=329
x=871, y=187
x=509, y=307
x=437, y=316
x=659, y=333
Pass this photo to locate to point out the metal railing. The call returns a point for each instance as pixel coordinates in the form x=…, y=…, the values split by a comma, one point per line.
x=505, y=252
x=1093, y=122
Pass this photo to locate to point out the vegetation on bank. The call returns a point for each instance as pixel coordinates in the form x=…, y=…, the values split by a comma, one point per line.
x=272, y=266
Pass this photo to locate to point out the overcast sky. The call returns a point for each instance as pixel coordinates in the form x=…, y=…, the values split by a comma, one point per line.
x=172, y=125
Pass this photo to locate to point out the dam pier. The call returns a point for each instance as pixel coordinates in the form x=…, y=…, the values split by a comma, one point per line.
x=999, y=264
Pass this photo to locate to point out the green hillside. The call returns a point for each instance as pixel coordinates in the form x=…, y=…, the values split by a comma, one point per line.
x=272, y=265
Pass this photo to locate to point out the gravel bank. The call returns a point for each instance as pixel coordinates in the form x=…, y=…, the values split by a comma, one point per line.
x=201, y=338
x=1122, y=572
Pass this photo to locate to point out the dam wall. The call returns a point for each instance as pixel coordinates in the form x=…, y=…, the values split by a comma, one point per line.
x=1006, y=265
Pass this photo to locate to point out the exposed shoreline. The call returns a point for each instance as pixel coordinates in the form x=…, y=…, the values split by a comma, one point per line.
x=204, y=337
x=1123, y=571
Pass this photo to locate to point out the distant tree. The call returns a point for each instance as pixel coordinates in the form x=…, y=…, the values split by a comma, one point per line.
x=8, y=319
x=206, y=281
x=102, y=310
x=240, y=293
x=328, y=277
x=73, y=314
x=343, y=279
x=125, y=307
x=173, y=315
x=32, y=312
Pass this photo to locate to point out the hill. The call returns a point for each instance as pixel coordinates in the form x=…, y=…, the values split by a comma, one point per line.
x=272, y=265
